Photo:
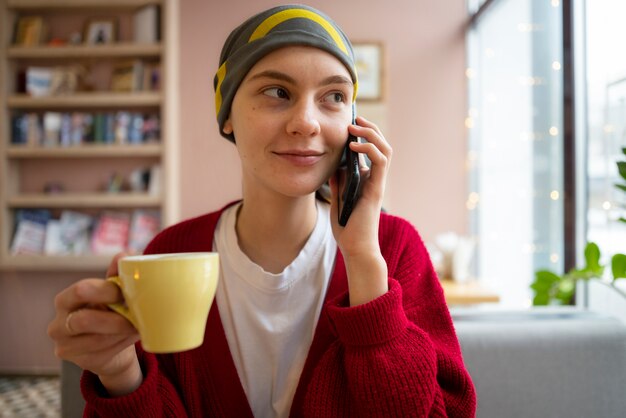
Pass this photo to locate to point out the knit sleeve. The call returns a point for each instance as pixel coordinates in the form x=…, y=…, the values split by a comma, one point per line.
x=397, y=355
x=155, y=397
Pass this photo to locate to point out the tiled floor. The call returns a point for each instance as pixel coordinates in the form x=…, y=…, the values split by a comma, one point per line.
x=29, y=397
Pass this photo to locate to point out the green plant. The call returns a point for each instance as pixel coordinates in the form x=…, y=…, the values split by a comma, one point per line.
x=551, y=288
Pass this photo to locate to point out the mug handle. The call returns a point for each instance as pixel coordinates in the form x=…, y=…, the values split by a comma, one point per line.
x=118, y=307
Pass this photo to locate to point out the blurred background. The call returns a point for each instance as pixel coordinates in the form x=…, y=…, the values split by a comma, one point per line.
x=506, y=118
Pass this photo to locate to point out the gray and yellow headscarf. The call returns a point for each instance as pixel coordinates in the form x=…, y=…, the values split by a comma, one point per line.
x=266, y=32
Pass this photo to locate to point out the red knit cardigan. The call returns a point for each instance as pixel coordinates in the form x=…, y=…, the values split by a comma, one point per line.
x=396, y=356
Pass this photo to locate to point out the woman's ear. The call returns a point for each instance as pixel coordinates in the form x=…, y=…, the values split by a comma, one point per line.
x=228, y=127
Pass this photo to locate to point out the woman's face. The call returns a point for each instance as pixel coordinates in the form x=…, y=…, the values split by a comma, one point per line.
x=290, y=119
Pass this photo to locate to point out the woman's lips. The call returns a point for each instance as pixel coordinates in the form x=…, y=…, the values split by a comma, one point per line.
x=300, y=158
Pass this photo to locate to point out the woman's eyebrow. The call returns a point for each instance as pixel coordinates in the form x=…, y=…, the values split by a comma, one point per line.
x=335, y=79
x=277, y=75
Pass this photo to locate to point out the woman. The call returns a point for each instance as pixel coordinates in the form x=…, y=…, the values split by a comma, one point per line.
x=310, y=318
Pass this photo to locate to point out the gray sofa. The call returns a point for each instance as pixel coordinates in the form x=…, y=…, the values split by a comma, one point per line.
x=547, y=363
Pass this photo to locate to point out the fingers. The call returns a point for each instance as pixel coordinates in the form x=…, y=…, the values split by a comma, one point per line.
x=112, y=270
x=88, y=321
x=87, y=292
x=370, y=131
x=93, y=344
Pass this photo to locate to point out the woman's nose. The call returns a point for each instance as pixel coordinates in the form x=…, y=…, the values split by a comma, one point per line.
x=303, y=120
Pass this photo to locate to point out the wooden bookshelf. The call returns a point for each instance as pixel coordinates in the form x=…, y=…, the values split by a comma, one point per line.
x=84, y=200
x=22, y=161
x=118, y=50
x=63, y=5
x=85, y=100
x=85, y=151
x=44, y=263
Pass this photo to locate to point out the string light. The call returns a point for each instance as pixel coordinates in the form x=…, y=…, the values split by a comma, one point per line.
x=470, y=160
x=556, y=3
x=472, y=201
x=554, y=195
x=469, y=122
x=606, y=205
x=529, y=27
x=556, y=66
x=529, y=248
x=470, y=73
x=530, y=81
x=554, y=131
x=554, y=257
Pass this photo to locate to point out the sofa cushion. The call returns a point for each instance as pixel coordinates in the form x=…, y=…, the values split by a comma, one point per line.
x=544, y=363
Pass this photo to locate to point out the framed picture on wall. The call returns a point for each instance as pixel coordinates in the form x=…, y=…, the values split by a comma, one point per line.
x=100, y=32
x=369, y=58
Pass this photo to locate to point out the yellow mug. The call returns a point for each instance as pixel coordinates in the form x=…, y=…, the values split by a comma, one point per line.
x=167, y=297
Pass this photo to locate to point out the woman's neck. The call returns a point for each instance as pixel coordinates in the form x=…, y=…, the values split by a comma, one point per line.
x=271, y=231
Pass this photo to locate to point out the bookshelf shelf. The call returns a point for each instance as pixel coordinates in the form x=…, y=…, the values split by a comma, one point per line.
x=85, y=151
x=84, y=200
x=50, y=263
x=85, y=100
x=62, y=5
x=119, y=50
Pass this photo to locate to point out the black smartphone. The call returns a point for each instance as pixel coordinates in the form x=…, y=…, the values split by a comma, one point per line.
x=348, y=197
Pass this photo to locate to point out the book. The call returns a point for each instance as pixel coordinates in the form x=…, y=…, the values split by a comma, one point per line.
x=110, y=235
x=51, y=128
x=34, y=134
x=154, y=187
x=151, y=77
x=30, y=31
x=76, y=129
x=65, y=136
x=122, y=122
x=88, y=127
x=54, y=245
x=75, y=230
x=144, y=226
x=30, y=231
x=135, y=132
x=146, y=24
x=151, y=128
x=109, y=128
x=128, y=76
x=19, y=129
x=99, y=128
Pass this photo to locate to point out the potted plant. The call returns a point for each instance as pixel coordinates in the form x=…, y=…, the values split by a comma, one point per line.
x=551, y=288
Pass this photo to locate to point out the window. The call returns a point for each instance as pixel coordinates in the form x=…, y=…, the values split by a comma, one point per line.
x=515, y=150
x=606, y=116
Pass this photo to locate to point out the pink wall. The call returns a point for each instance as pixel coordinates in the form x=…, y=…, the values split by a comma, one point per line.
x=425, y=51
x=425, y=109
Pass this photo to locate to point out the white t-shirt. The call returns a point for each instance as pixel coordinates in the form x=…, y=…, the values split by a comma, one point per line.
x=269, y=319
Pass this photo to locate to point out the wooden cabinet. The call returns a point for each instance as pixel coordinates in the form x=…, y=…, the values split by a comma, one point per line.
x=25, y=168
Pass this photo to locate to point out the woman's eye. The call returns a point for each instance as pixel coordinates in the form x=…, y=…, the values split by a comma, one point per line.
x=335, y=97
x=277, y=92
